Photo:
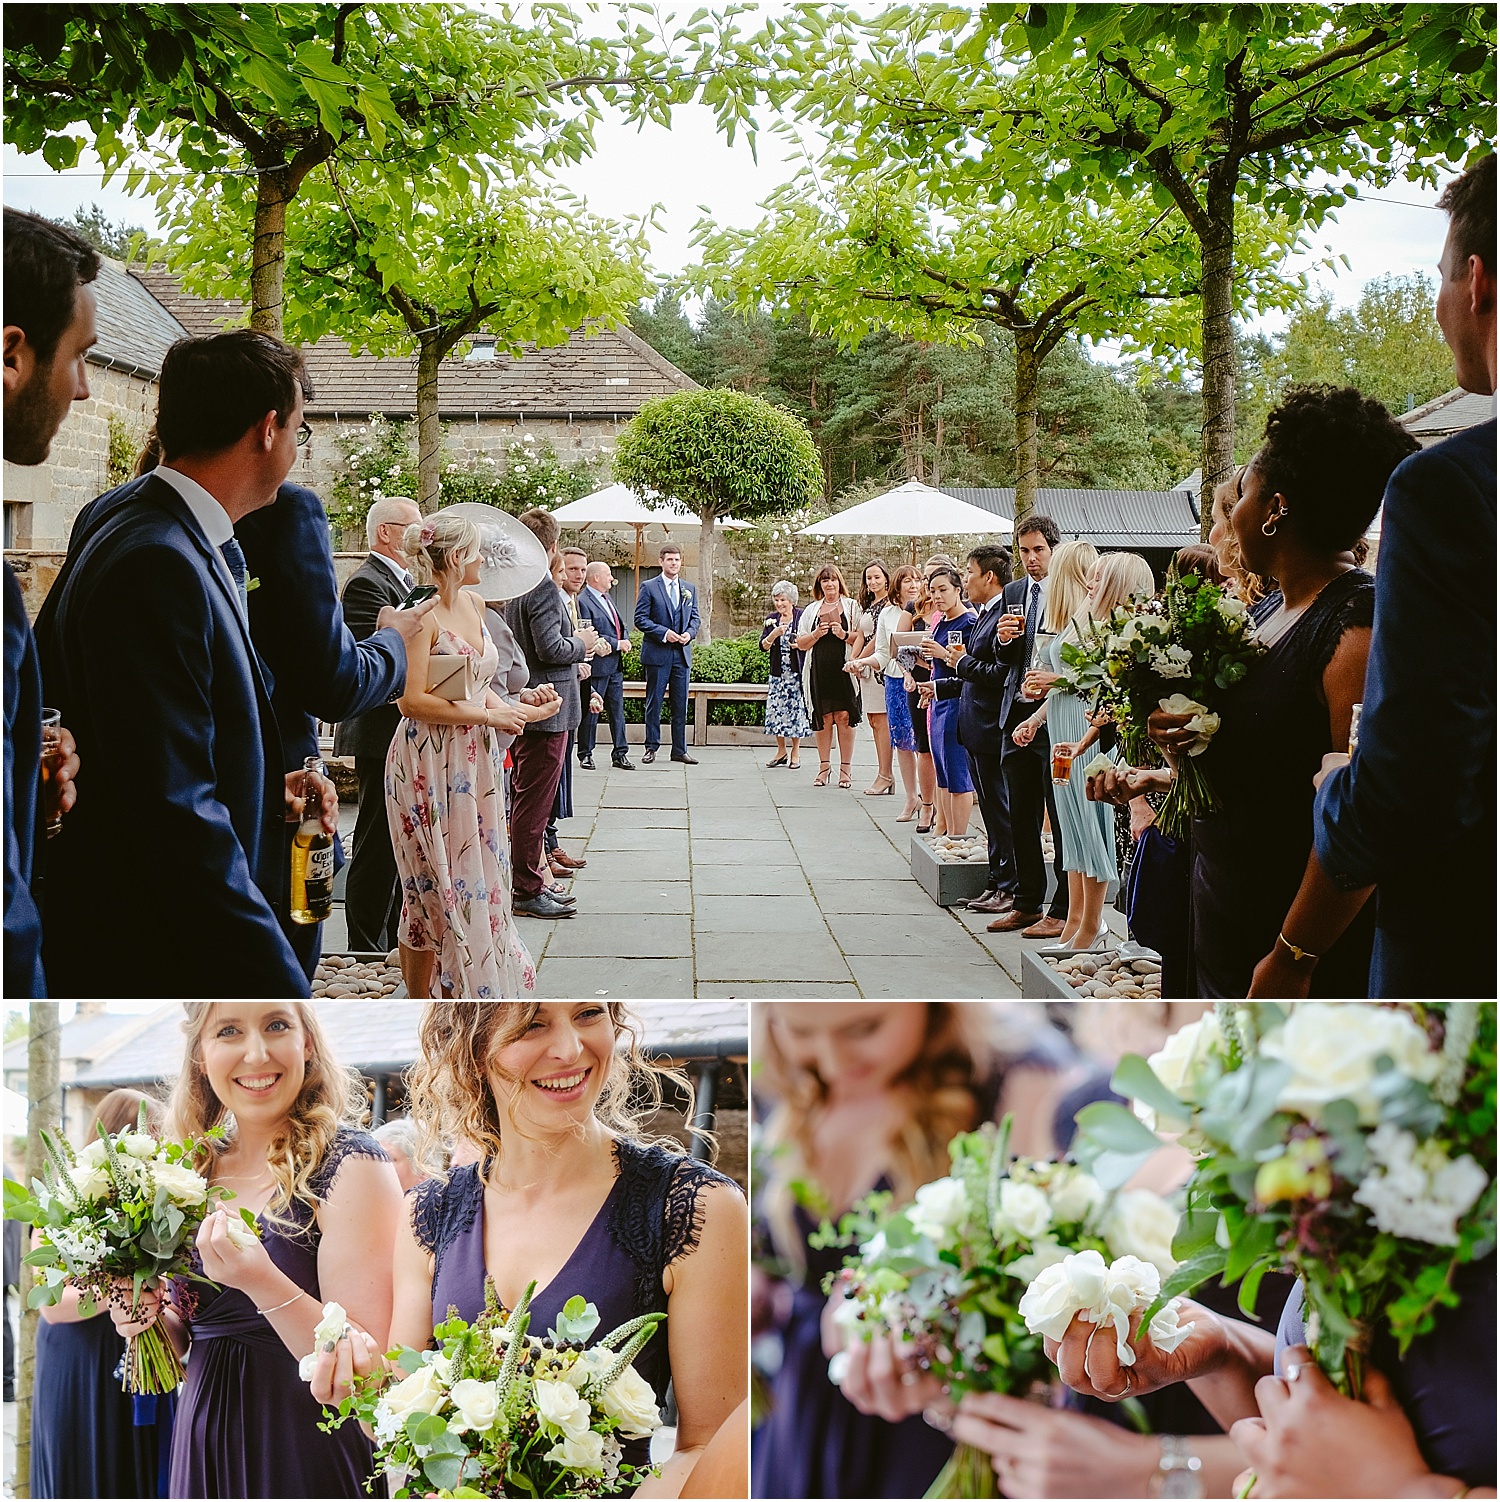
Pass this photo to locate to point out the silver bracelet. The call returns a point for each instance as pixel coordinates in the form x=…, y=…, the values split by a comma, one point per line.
x=301, y=1293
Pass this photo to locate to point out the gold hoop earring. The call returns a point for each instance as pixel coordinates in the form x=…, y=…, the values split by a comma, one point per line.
x=1268, y=527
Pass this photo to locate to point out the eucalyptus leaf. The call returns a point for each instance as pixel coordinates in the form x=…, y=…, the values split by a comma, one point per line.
x=1135, y=1077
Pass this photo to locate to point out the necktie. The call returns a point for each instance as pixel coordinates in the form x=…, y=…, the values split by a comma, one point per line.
x=407, y=580
x=1033, y=597
x=573, y=611
x=676, y=600
x=234, y=556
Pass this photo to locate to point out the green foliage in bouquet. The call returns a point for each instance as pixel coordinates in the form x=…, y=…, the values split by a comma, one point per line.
x=122, y=1208
x=1353, y=1145
x=494, y=1411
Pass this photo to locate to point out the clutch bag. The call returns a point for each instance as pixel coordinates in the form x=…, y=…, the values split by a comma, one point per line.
x=450, y=677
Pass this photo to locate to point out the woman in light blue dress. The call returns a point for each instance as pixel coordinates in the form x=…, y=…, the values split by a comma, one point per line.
x=1086, y=830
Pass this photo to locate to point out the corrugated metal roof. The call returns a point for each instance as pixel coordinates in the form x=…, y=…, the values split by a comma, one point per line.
x=135, y=330
x=600, y=371
x=1113, y=518
x=383, y=1034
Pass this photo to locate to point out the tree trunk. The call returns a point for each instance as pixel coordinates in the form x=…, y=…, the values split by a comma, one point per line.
x=1028, y=367
x=43, y=1053
x=706, y=574
x=429, y=434
x=268, y=255
x=1218, y=347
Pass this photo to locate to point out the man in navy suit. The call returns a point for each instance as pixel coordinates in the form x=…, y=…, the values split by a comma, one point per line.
x=666, y=615
x=982, y=686
x=1414, y=812
x=49, y=326
x=607, y=668
x=166, y=879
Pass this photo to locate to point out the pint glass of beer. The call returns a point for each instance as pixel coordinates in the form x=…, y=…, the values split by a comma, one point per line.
x=1062, y=765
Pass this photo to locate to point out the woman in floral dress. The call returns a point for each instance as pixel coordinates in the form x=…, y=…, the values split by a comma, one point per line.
x=443, y=790
x=786, y=714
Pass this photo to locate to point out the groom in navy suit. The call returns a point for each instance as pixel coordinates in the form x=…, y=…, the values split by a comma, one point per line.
x=666, y=615
x=167, y=877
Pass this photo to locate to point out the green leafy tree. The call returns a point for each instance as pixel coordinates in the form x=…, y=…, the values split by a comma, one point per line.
x=120, y=241
x=716, y=452
x=1205, y=107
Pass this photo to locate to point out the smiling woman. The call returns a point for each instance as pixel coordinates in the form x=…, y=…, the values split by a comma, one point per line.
x=326, y=1201
x=566, y=1189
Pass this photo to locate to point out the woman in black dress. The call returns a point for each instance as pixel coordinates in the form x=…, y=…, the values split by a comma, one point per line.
x=1261, y=904
x=823, y=634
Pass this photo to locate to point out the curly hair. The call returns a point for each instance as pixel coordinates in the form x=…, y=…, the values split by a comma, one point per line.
x=941, y=1084
x=1248, y=587
x=448, y=1088
x=1330, y=451
x=331, y=1097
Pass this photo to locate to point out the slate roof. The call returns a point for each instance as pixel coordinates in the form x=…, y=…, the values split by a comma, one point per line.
x=88, y=1038
x=1451, y=412
x=1108, y=518
x=599, y=372
x=381, y=1037
x=135, y=329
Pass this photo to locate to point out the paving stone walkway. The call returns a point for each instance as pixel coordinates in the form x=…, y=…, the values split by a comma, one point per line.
x=731, y=879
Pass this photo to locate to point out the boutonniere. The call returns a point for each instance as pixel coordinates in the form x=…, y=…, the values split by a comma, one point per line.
x=251, y=584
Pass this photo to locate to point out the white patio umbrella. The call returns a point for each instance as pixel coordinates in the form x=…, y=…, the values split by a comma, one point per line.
x=911, y=510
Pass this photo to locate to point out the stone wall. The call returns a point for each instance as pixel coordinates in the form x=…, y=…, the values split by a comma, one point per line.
x=47, y=497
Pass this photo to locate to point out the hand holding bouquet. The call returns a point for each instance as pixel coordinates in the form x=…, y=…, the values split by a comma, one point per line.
x=497, y=1412
x=1352, y=1143
x=121, y=1209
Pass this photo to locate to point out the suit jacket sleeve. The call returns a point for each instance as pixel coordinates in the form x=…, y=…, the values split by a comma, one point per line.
x=23, y=923
x=296, y=620
x=1428, y=717
x=152, y=606
x=693, y=621
x=645, y=619
x=553, y=644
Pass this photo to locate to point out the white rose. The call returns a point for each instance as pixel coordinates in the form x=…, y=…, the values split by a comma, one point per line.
x=590, y=1364
x=1043, y=1254
x=306, y=1365
x=421, y=1392
x=1061, y=1291
x=939, y=1209
x=477, y=1403
x=1129, y=1285
x=137, y=1144
x=1172, y=662
x=1142, y=1224
x=1200, y=720
x=1074, y=1195
x=561, y=1408
x=183, y=1186
x=1024, y=1209
x=332, y=1326
x=1231, y=609
x=240, y=1234
x=1166, y=1334
x=629, y=1399
x=91, y=1183
x=580, y=1452
x=92, y=1156
x=1180, y=1059
x=1332, y=1049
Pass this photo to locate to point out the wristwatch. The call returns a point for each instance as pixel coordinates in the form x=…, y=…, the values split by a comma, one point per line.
x=1178, y=1471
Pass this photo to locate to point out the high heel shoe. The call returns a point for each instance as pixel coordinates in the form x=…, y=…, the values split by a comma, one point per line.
x=909, y=813
x=876, y=791
x=821, y=780
x=845, y=780
x=1062, y=951
x=779, y=762
x=931, y=815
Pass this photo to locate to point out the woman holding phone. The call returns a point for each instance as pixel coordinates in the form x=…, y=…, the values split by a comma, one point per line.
x=443, y=788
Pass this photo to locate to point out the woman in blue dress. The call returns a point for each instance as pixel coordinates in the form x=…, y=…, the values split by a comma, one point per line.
x=326, y=1200
x=955, y=785
x=571, y=1193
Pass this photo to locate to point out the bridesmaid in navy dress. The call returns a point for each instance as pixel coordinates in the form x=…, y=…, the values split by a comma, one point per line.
x=327, y=1200
x=569, y=1195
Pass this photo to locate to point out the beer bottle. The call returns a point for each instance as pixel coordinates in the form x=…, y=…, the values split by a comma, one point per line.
x=312, y=857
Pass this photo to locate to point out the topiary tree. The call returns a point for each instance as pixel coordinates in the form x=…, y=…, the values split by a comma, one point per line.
x=719, y=451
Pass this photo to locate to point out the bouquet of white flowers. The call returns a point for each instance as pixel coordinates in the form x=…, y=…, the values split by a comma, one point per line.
x=1353, y=1144
x=947, y=1275
x=122, y=1207
x=497, y=1412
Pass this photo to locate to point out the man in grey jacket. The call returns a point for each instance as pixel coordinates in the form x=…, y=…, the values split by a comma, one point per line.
x=545, y=635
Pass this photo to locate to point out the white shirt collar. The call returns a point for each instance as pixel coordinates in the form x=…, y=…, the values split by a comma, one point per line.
x=400, y=570
x=210, y=515
x=598, y=594
x=993, y=600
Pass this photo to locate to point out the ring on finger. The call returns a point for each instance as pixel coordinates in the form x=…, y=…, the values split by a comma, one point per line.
x=908, y=1379
x=937, y=1419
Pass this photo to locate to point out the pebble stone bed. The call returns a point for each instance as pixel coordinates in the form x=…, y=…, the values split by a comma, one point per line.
x=344, y=975
x=1107, y=974
x=970, y=849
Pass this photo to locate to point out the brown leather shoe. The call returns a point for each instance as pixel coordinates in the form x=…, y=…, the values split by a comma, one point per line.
x=992, y=902
x=1011, y=921
x=1048, y=928
x=560, y=857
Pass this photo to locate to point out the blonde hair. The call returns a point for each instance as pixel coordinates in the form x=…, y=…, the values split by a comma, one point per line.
x=330, y=1097
x=449, y=1097
x=1248, y=587
x=941, y=1087
x=1068, y=583
x=1123, y=577
x=450, y=542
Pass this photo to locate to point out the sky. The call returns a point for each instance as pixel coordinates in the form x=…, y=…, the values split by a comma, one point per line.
x=690, y=170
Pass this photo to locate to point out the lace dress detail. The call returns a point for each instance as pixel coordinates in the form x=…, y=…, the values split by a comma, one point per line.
x=442, y=1212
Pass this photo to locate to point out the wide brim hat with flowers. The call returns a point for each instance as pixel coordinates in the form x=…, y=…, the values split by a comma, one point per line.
x=511, y=560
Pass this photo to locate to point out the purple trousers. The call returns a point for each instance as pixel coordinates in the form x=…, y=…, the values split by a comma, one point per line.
x=537, y=758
